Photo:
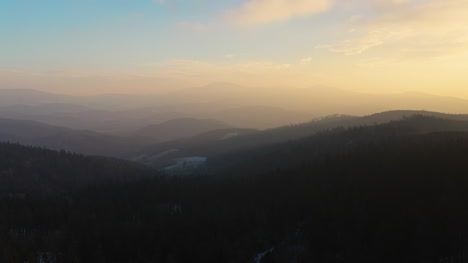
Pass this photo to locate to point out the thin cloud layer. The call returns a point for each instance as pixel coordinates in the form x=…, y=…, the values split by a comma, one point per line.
x=389, y=3
x=260, y=12
x=369, y=44
x=248, y=73
x=436, y=28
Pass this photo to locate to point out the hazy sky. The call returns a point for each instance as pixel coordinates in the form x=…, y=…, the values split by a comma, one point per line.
x=96, y=46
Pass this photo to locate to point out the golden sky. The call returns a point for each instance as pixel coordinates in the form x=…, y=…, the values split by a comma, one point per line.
x=149, y=46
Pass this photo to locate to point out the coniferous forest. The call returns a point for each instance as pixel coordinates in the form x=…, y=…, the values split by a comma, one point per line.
x=377, y=193
x=238, y=131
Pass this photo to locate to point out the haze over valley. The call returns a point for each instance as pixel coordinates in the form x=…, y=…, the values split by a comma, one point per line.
x=238, y=131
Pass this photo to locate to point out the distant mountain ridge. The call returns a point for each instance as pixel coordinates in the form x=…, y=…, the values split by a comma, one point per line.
x=257, y=139
x=333, y=142
x=36, y=171
x=394, y=192
x=179, y=128
x=204, y=102
x=54, y=137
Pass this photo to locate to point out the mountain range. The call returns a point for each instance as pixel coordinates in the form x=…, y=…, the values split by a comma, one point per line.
x=388, y=192
x=253, y=139
x=237, y=106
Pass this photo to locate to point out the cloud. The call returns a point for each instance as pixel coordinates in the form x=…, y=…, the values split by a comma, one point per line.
x=195, y=66
x=229, y=56
x=85, y=83
x=260, y=12
x=359, y=45
x=389, y=3
x=430, y=28
x=249, y=73
x=306, y=60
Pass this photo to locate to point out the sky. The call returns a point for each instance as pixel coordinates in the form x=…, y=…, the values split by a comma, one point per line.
x=151, y=46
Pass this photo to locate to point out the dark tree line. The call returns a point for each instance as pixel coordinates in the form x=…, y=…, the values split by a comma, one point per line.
x=368, y=194
x=37, y=171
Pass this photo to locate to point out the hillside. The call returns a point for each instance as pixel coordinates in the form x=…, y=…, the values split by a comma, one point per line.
x=178, y=147
x=259, y=117
x=326, y=144
x=317, y=100
x=54, y=137
x=238, y=131
x=179, y=128
x=282, y=134
x=382, y=193
x=10, y=97
x=239, y=104
x=38, y=171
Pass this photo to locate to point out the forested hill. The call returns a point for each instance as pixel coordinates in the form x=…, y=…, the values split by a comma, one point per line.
x=28, y=170
x=296, y=153
x=35, y=133
x=394, y=197
x=160, y=153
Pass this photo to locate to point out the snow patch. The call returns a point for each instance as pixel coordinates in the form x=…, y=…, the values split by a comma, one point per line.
x=260, y=256
x=148, y=159
x=188, y=163
x=230, y=135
